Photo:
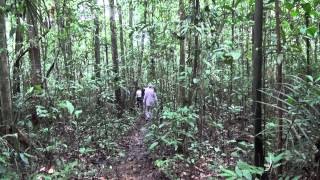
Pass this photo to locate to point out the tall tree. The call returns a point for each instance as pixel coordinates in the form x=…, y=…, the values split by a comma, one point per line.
x=18, y=49
x=122, y=55
x=115, y=58
x=257, y=83
x=182, y=62
x=97, y=50
x=233, y=46
x=131, y=25
x=34, y=54
x=308, y=65
x=279, y=78
x=151, y=32
x=196, y=11
x=5, y=89
x=105, y=32
x=97, y=45
x=142, y=40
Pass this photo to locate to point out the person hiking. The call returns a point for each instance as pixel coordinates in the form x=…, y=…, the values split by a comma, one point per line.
x=139, y=97
x=149, y=101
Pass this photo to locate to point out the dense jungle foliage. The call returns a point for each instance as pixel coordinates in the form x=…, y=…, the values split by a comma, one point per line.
x=237, y=83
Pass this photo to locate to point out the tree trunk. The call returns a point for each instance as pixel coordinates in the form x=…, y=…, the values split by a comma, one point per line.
x=123, y=62
x=34, y=54
x=196, y=52
x=115, y=58
x=70, y=63
x=257, y=83
x=61, y=41
x=142, y=41
x=131, y=25
x=97, y=54
x=105, y=32
x=182, y=62
x=5, y=89
x=17, y=63
x=152, y=76
x=279, y=79
x=308, y=68
x=232, y=62
x=97, y=46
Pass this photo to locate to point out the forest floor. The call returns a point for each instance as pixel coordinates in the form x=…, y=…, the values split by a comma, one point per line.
x=137, y=164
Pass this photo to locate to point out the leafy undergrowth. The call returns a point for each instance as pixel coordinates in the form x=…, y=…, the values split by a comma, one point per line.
x=79, y=145
x=93, y=143
x=180, y=151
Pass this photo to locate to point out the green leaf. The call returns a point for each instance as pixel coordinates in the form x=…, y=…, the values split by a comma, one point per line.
x=247, y=174
x=238, y=171
x=310, y=78
x=82, y=150
x=153, y=145
x=227, y=173
x=195, y=80
x=235, y=54
x=122, y=154
x=38, y=88
x=307, y=7
x=303, y=30
x=68, y=105
x=30, y=90
x=294, y=13
x=77, y=113
x=312, y=31
x=24, y=158
x=288, y=5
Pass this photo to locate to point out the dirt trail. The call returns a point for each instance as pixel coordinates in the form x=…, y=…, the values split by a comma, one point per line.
x=137, y=165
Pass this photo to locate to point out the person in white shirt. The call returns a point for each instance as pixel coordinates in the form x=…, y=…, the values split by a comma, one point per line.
x=139, y=97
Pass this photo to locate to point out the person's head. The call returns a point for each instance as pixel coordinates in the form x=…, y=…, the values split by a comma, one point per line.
x=150, y=86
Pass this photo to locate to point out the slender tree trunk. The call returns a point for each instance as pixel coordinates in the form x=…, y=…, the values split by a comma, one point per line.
x=122, y=52
x=17, y=63
x=105, y=32
x=5, y=89
x=232, y=63
x=97, y=46
x=131, y=25
x=308, y=46
x=131, y=60
x=142, y=41
x=115, y=58
x=196, y=52
x=61, y=41
x=70, y=63
x=123, y=66
x=97, y=53
x=316, y=50
x=182, y=62
x=34, y=53
x=279, y=79
x=257, y=83
x=152, y=76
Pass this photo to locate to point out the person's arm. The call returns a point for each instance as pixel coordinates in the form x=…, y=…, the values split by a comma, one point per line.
x=144, y=99
x=155, y=99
